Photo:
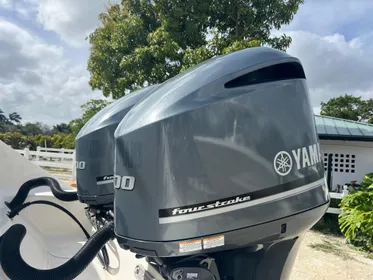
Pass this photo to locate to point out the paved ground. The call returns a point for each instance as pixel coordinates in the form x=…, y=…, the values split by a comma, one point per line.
x=323, y=257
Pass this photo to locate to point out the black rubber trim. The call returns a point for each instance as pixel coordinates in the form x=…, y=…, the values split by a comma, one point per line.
x=103, y=258
x=52, y=183
x=18, y=209
x=17, y=269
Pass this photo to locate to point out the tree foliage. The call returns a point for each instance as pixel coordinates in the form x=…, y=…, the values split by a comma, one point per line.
x=9, y=123
x=144, y=42
x=349, y=107
x=356, y=219
x=90, y=108
x=15, y=118
x=61, y=128
x=18, y=140
x=3, y=118
x=31, y=135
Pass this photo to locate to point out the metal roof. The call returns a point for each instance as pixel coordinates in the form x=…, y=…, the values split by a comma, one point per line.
x=340, y=129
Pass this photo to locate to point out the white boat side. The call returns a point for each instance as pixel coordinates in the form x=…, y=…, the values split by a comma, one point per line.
x=53, y=237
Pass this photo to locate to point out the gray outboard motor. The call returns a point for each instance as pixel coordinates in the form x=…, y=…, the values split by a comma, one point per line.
x=95, y=160
x=219, y=173
x=95, y=150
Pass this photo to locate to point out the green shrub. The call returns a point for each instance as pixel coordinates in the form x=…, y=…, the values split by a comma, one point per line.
x=19, y=141
x=14, y=139
x=356, y=219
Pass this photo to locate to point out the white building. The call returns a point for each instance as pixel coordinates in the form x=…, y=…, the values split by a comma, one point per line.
x=351, y=146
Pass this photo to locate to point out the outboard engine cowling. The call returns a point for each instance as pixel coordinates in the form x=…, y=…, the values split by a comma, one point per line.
x=221, y=160
x=95, y=150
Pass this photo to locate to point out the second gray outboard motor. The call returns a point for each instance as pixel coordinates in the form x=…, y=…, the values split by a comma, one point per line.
x=218, y=173
x=95, y=161
x=95, y=153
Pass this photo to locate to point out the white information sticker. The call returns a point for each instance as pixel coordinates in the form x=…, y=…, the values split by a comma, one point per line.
x=190, y=245
x=213, y=242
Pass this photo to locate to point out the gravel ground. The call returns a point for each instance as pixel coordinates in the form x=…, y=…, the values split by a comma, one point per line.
x=324, y=257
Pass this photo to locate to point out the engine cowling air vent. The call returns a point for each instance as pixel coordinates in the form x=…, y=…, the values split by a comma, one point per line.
x=277, y=72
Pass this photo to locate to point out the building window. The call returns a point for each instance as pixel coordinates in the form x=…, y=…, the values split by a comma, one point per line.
x=339, y=161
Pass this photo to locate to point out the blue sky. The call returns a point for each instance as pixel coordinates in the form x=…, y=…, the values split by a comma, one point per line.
x=43, y=53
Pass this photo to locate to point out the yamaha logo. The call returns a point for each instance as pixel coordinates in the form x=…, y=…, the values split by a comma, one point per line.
x=283, y=163
x=302, y=158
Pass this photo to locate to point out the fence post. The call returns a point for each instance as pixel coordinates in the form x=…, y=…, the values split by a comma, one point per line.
x=26, y=153
x=345, y=191
x=62, y=152
x=73, y=174
x=38, y=150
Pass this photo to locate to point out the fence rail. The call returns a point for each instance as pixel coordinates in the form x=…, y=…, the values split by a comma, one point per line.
x=55, y=158
x=62, y=150
x=333, y=210
x=47, y=154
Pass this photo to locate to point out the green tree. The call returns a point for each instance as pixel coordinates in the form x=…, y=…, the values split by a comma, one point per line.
x=3, y=122
x=9, y=124
x=367, y=111
x=68, y=141
x=15, y=118
x=62, y=128
x=145, y=42
x=356, y=219
x=90, y=108
x=31, y=129
x=31, y=135
x=15, y=139
x=3, y=118
x=349, y=107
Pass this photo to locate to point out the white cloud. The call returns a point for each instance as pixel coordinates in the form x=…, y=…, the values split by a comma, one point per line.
x=6, y=4
x=26, y=9
x=328, y=17
x=73, y=20
x=21, y=52
x=333, y=65
x=36, y=81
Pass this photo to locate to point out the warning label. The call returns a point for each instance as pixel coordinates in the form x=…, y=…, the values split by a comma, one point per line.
x=190, y=245
x=212, y=242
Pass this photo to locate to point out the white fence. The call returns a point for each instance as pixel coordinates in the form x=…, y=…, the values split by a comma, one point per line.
x=55, y=158
x=336, y=195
